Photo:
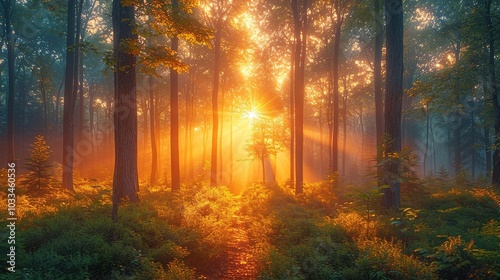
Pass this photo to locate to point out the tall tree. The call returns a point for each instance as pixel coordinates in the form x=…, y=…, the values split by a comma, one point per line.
x=215, y=93
x=299, y=13
x=125, y=178
x=174, y=110
x=495, y=180
x=8, y=10
x=340, y=7
x=152, y=117
x=393, y=101
x=377, y=82
x=69, y=99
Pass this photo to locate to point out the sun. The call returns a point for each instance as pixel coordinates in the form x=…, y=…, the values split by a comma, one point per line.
x=252, y=115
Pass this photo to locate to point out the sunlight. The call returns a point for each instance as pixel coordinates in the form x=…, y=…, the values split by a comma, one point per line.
x=423, y=18
x=252, y=115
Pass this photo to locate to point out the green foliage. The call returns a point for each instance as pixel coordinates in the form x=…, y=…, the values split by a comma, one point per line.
x=39, y=166
x=457, y=259
x=303, y=244
x=381, y=259
x=82, y=243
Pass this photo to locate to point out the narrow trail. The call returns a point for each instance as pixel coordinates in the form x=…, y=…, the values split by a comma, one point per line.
x=240, y=261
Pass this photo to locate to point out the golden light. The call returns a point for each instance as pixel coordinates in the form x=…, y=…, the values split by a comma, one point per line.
x=252, y=115
x=423, y=18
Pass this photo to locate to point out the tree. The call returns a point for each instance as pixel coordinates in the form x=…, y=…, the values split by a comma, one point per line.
x=125, y=178
x=393, y=101
x=377, y=83
x=494, y=94
x=299, y=13
x=340, y=13
x=69, y=99
x=174, y=111
x=8, y=10
x=39, y=165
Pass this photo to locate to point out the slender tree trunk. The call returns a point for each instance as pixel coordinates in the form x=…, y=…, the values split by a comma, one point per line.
x=58, y=102
x=377, y=76
x=44, y=99
x=221, y=133
x=292, y=117
x=144, y=108
x=487, y=145
x=321, y=146
x=426, y=139
x=344, y=116
x=336, y=54
x=78, y=75
x=472, y=149
x=457, y=132
x=174, y=110
x=152, y=117
x=215, y=112
x=393, y=101
x=434, y=167
x=125, y=179
x=362, y=128
x=231, y=163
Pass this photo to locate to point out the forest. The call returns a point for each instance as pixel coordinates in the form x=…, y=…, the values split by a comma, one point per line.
x=250, y=139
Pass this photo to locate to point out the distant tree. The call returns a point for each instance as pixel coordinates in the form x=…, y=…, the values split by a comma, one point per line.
x=39, y=165
x=8, y=10
x=219, y=15
x=393, y=102
x=125, y=179
x=341, y=10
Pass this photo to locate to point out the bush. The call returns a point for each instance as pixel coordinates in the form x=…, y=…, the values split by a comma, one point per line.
x=381, y=259
x=83, y=243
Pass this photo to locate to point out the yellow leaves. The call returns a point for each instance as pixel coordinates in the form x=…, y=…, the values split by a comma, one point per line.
x=155, y=57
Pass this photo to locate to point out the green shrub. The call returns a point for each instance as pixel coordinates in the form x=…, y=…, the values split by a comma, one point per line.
x=381, y=259
x=39, y=166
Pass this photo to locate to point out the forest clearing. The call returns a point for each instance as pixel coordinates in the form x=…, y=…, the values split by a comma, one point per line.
x=249, y=139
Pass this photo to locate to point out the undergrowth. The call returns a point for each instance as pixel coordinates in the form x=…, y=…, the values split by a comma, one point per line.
x=332, y=231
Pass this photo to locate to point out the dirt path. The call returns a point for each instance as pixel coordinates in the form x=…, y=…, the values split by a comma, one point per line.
x=240, y=261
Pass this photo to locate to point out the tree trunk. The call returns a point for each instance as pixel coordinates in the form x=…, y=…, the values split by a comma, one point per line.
x=174, y=115
x=393, y=101
x=58, y=102
x=292, y=117
x=215, y=113
x=152, y=113
x=344, y=116
x=336, y=54
x=426, y=139
x=68, y=111
x=125, y=179
x=377, y=76
x=495, y=179
x=8, y=8
x=299, y=13
x=44, y=99
x=487, y=144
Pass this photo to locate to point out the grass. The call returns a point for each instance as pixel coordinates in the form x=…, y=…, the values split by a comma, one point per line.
x=449, y=232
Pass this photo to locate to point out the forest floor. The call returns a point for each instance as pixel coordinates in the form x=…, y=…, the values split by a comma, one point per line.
x=240, y=259
x=447, y=231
